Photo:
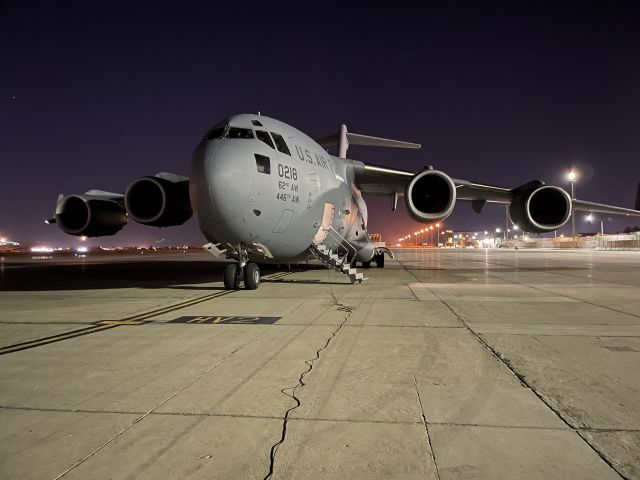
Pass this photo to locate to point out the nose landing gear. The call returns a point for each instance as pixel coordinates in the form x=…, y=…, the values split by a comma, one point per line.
x=241, y=270
x=232, y=277
x=235, y=272
x=251, y=276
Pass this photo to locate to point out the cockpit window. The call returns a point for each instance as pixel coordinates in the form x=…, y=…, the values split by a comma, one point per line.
x=256, y=123
x=228, y=131
x=280, y=143
x=235, y=132
x=264, y=136
x=215, y=133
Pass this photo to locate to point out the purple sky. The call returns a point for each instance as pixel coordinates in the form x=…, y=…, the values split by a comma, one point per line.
x=96, y=94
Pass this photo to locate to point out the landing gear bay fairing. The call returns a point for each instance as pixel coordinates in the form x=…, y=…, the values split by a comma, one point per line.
x=264, y=192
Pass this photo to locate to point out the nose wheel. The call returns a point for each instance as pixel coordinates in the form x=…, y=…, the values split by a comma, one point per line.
x=251, y=276
x=234, y=273
x=232, y=277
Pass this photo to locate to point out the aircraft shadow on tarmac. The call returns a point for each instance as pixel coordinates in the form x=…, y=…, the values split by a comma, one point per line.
x=131, y=274
x=178, y=274
x=175, y=274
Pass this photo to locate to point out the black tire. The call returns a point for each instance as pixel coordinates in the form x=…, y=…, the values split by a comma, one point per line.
x=380, y=260
x=231, y=277
x=251, y=276
x=366, y=264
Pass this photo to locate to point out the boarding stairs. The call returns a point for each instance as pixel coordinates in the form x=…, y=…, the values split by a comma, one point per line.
x=336, y=262
x=332, y=259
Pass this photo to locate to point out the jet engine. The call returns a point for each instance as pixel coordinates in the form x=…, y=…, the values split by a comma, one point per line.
x=90, y=216
x=159, y=201
x=540, y=208
x=430, y=196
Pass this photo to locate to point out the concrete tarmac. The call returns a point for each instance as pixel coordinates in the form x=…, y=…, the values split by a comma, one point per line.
x=446, y=364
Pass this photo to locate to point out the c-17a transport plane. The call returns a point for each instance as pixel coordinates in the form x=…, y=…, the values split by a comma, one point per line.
x=263, y=191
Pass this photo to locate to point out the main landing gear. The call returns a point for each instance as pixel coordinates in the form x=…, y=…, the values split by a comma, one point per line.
x=235, y=272
x=377, y=258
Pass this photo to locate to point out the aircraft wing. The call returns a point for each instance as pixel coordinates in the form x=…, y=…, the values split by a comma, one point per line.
x=377, y=180
x=381, y=180
x=602, y=208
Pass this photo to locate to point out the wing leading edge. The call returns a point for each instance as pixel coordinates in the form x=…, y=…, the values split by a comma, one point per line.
x=377, y=180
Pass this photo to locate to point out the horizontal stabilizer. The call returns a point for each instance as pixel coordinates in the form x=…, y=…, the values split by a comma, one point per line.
x=343, y=139
x=171, y=177
x=102, y=193
x=357, y=139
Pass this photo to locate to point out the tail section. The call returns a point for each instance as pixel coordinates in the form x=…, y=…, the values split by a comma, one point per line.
x=343, y=139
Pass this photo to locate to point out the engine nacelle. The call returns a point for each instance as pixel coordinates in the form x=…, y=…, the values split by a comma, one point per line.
x=90, y=216
x=540, y=208
x=430, y=196
x=158, y=201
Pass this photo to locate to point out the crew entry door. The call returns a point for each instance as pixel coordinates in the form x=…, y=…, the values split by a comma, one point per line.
x=327, y=221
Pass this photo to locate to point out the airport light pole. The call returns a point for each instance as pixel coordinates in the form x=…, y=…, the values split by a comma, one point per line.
x=506, y=222
x=438, y=227
x=431, y=234
x=590, y=218
x=572, y=176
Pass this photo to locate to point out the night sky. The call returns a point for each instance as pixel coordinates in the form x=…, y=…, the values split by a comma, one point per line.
x=97, y=94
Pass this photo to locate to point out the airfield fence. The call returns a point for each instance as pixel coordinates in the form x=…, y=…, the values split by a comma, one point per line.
x=597, y=242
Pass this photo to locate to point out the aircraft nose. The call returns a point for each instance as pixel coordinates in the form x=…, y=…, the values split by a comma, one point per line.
x=222, y=174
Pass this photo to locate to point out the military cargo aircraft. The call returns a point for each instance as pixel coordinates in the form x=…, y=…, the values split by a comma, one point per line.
x=264, y=192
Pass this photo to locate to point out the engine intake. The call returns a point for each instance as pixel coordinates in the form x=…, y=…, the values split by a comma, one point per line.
x=430, y=196
x=159, y=202
x=540, y=208
x=89, y=216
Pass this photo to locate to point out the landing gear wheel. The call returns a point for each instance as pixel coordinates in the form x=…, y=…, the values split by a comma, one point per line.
x=231, y=277
x=251, y=276
x=366, y=264
x=380, y=260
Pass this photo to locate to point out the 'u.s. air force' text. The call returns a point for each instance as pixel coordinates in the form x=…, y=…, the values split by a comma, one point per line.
x=320, y=160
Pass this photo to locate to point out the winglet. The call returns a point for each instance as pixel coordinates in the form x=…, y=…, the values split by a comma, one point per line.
x=637, y=205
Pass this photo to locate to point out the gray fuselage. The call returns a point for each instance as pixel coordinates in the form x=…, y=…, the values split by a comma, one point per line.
x=248, y=189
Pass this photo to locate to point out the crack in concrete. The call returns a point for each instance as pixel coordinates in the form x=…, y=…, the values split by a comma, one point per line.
x=301, y=383
x=517, y=374
x=426, y=428
x=525, y=382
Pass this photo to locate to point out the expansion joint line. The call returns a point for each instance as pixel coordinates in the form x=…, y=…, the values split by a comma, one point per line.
x=426, y=428
x=292, y=392
x=518, y=375
x=161, y=403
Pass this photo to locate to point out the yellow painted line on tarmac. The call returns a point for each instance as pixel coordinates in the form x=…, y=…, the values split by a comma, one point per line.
x=54, y=338
x=121, y=322
x=108, y=324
